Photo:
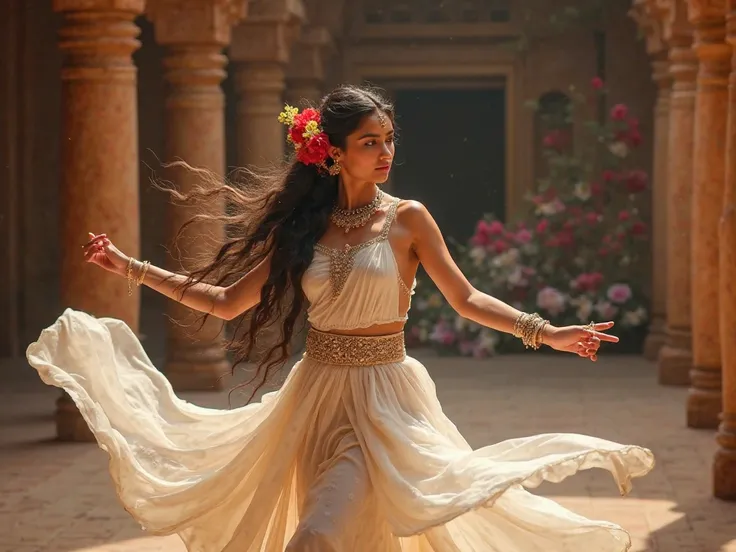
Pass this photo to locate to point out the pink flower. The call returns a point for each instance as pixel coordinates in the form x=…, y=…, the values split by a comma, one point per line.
x=609, y=175
x=619, y=112
x=499, y=246
x=495, y=228
x=592, y=218
x=551, y=300
x=624, y=215
x=523, y=236
x=588, y=281
x=596, y=83
x=619, y=293
x=466, y=348
x=542, y=226
x=442, y=333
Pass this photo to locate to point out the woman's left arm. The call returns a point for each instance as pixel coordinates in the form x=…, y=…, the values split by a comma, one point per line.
x=470, y=303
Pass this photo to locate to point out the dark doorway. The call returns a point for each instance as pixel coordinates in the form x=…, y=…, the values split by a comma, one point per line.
x=451, y=155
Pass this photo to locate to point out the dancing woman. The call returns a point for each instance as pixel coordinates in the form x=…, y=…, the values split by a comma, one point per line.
x=354, y=452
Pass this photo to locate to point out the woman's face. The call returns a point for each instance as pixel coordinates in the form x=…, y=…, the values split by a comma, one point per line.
x=369, y=151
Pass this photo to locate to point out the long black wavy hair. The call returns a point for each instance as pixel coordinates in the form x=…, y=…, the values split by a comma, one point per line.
x=283, y=213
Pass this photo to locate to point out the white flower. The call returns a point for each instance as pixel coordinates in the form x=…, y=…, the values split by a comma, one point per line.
x=634, y=318
x=478, y=254
x=584, y=308
x=552, y=208
x=619, y=149
x=582, y=191
x=516, y=278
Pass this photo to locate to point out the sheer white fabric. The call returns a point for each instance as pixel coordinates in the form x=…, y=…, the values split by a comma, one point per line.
x=340, y=459
x=364, y=458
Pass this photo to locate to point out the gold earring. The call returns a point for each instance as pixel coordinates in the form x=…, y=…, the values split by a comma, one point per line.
x=335, y=168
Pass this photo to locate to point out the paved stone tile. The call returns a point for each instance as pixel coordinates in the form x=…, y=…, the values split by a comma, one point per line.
x=57, y=497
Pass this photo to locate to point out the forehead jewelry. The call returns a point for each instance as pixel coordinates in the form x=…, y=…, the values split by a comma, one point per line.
x=382, y=119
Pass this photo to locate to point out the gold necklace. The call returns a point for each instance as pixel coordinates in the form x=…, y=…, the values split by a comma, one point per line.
x=355, y=218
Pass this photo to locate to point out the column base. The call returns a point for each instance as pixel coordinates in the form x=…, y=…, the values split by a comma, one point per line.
x=70, y=426
x=724, y=474
x=674, y=365
x=653, y=344
x=197, y=368
x=655, y=338
x=704, y=408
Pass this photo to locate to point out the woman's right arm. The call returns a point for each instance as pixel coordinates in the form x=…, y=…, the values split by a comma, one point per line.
x=220, y=301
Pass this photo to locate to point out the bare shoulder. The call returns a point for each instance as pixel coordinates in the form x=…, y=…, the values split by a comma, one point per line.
x=411, y=212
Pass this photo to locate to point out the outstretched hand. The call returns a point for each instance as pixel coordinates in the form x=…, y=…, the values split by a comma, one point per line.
x=583, y=341
x=100, y=250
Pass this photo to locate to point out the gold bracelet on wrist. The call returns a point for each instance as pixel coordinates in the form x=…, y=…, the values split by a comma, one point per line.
x=128, y=275
x=529, y=328
x=142, y=274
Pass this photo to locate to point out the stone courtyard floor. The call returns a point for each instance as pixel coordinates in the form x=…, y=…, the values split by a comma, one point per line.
x=56, y=497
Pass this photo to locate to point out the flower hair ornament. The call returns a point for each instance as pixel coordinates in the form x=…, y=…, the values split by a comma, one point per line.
x=310, y=142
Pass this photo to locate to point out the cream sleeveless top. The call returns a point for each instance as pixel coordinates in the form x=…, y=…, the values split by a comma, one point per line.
x=358, y=286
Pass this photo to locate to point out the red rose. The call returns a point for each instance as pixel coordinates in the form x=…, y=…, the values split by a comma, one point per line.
x=309, y=114
x=596, y=83
x=315, y=151
x=296, y=135
x=619, y=112
x=638, y=229
x=636, y=181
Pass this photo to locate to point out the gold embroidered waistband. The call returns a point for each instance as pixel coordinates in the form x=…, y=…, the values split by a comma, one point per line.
x=355, y=350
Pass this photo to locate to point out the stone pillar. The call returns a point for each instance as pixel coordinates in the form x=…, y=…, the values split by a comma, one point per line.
x=305, y=75
x=650, y=19
x=194, y=34
x=724, y=464
x=99, y=164
x=261, y=50
x=714, y=54
x=656, y=338
x=675, y=357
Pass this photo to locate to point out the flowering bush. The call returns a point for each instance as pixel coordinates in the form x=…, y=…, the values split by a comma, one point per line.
x=573, y=258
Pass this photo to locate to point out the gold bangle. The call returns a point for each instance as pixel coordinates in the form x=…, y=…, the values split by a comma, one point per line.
x=142, y=273
x=128, y=275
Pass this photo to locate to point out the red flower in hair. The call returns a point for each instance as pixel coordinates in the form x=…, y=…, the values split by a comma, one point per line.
x=311, y=143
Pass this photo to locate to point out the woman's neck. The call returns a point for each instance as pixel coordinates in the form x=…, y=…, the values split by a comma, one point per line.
x=353, y=195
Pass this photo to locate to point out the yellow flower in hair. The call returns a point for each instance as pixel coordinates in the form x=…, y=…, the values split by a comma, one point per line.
x=286, y=117
x=311, y=130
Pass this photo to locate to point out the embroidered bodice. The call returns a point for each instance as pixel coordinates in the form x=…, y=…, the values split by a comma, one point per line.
x=357, y=286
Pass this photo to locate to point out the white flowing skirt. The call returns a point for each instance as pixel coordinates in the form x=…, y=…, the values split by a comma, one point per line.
x=340, y=459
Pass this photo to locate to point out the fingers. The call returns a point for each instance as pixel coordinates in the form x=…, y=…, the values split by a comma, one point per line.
x=93, y=238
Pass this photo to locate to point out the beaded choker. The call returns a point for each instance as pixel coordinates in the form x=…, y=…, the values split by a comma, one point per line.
x=355, y=218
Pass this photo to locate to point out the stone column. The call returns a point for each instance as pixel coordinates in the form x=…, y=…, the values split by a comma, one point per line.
x=724, y=464
x=714, y=54
x=99, y=164
x=305, y=75
x=657, y=328
x=260, y=51
x=675, y=357
x=650, y=18
x=194, y=34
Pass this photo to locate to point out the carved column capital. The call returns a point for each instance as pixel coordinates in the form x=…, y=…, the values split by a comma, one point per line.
x=650, y=17
x=307, y=62
x=269, y=32
x=706, y=10
x=98, y=38
x=195, y=21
